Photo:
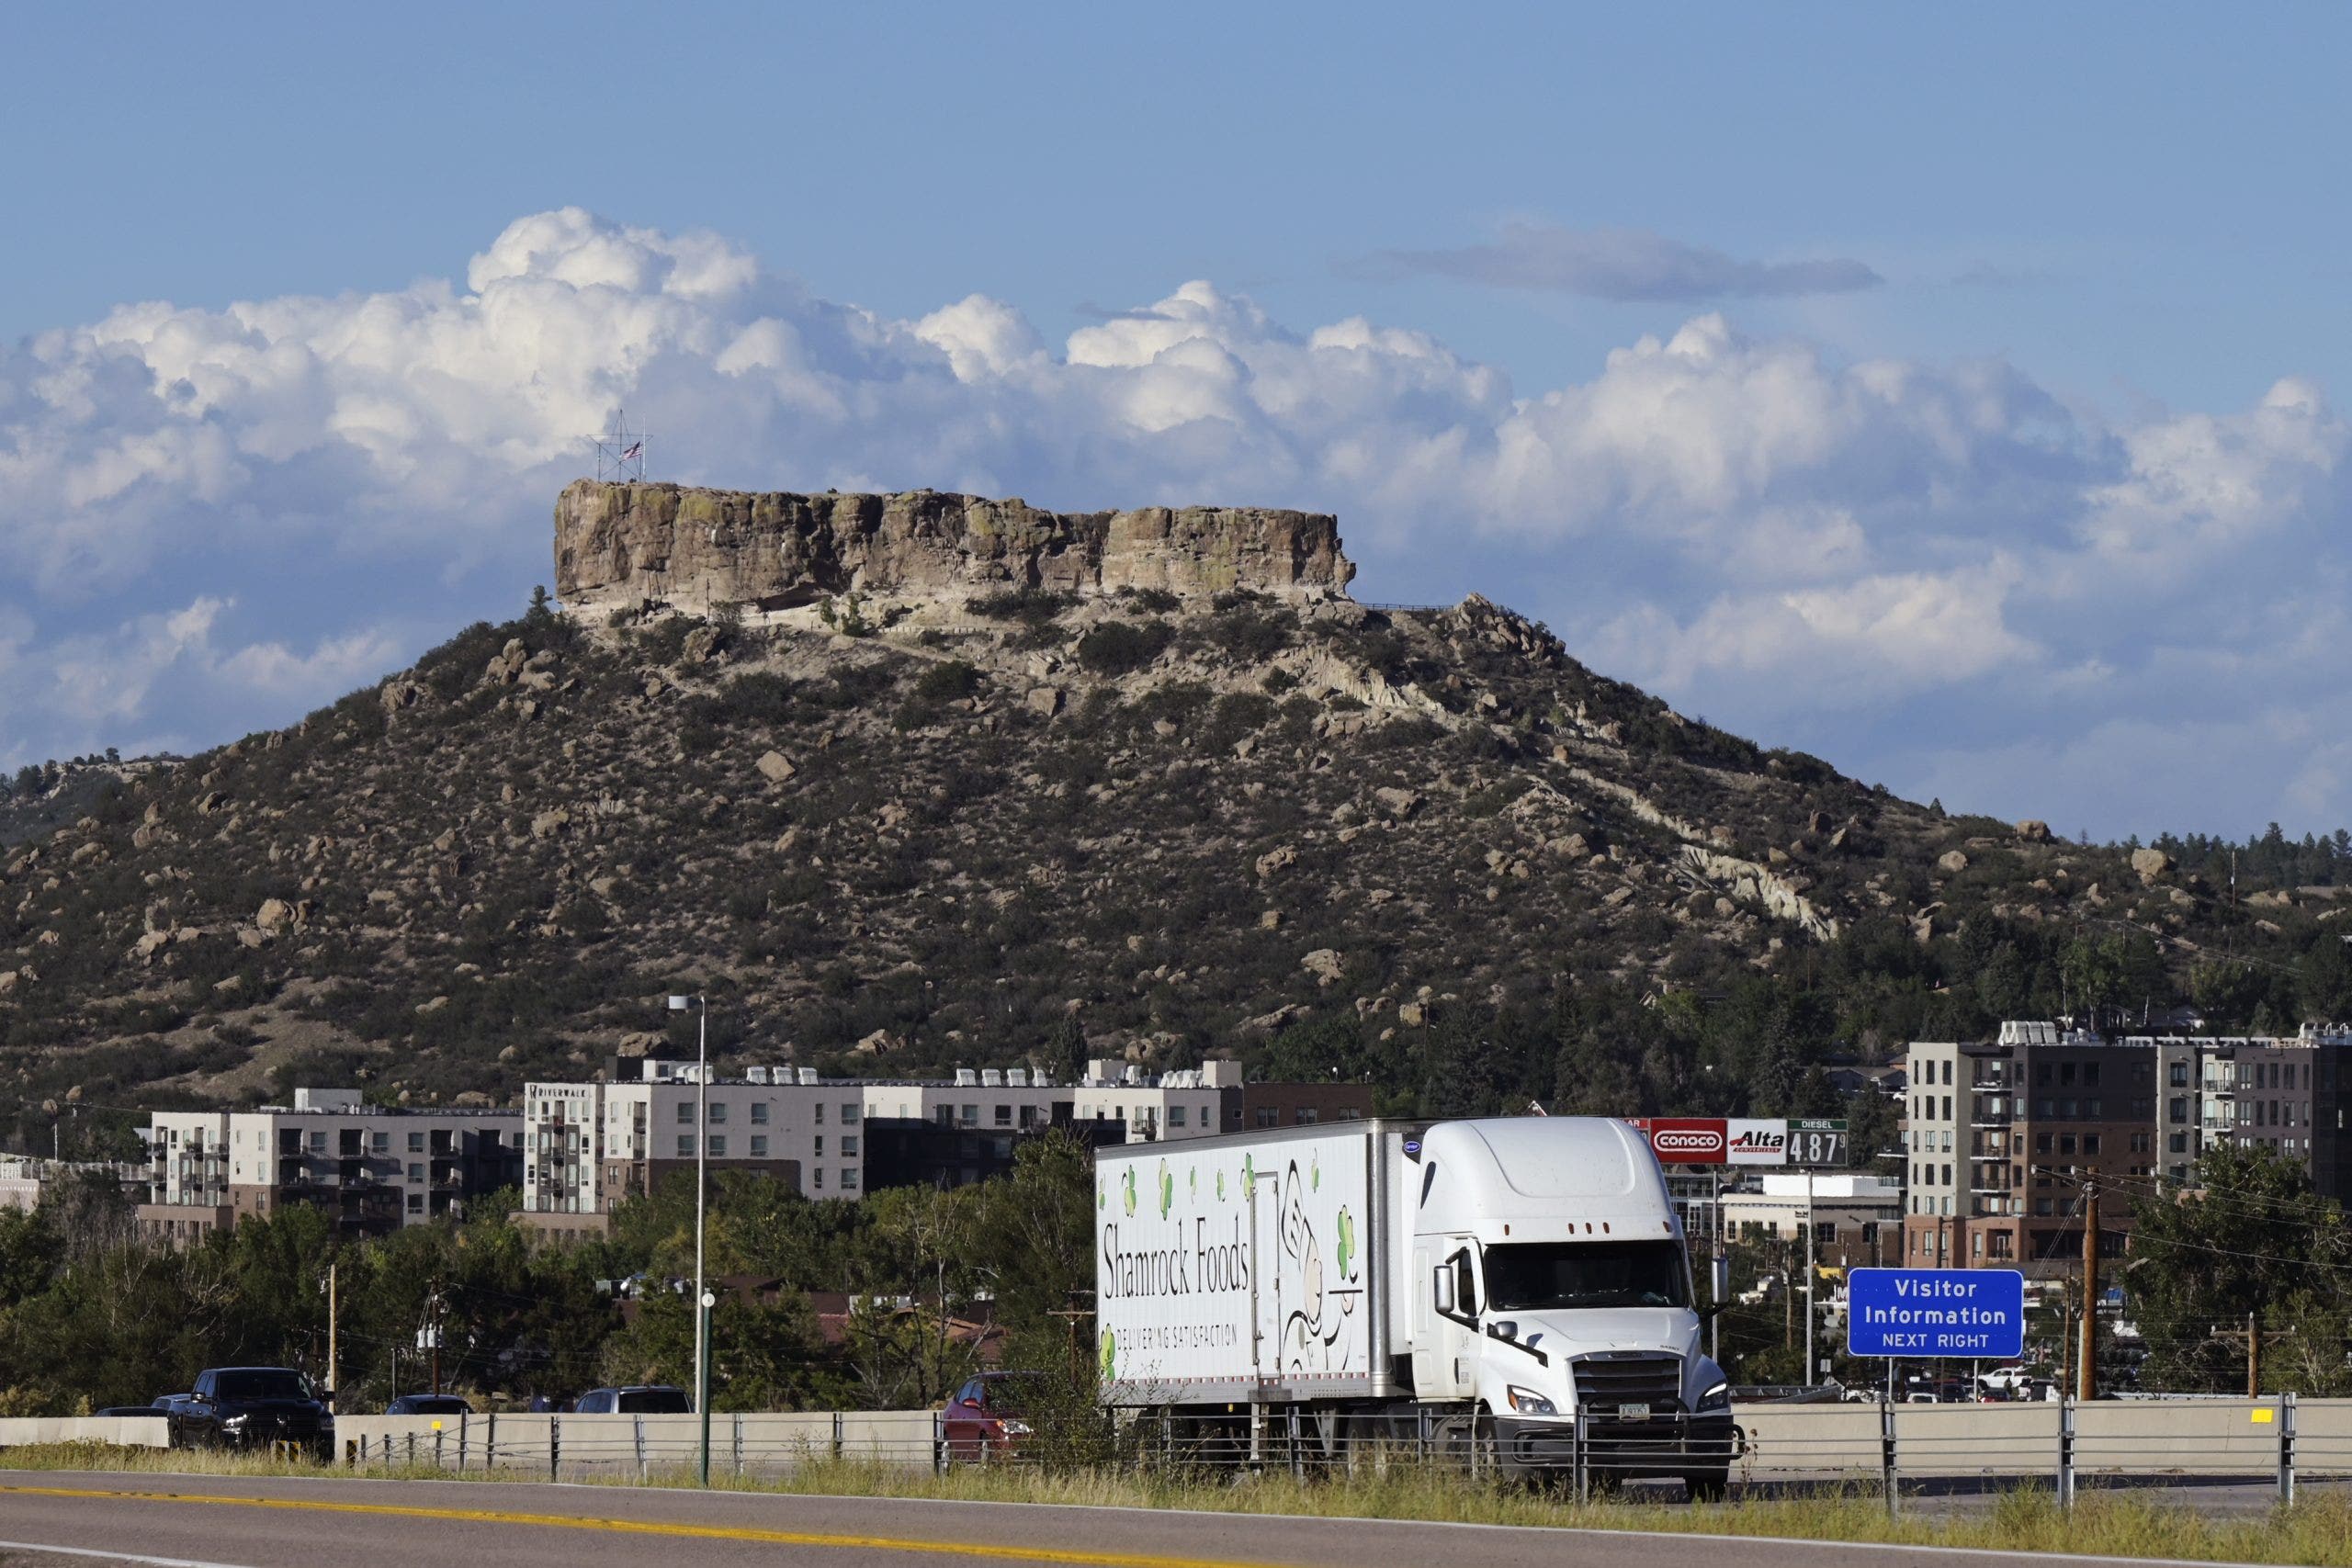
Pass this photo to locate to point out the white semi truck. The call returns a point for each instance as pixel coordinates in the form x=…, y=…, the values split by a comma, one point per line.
x=1474, y=1285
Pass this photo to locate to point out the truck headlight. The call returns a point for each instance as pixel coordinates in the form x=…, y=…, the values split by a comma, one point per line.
x=235, y=1423
x=1527, y=1402
x=1717, y=1397
x=1013, y=1428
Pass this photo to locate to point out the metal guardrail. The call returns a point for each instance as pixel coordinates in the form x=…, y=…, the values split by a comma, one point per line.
x=2278, y=1442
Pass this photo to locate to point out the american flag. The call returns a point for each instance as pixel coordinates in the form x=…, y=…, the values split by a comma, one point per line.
x=636, y=447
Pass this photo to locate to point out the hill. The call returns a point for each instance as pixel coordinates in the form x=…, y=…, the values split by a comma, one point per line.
x=940, y=781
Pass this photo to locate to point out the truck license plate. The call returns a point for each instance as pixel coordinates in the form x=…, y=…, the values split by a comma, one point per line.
x=1633, y=1412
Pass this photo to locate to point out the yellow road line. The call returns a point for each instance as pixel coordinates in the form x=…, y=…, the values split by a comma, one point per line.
x=650, y=1527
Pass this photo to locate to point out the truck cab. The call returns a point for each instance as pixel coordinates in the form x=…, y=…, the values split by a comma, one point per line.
x=1548, y=1280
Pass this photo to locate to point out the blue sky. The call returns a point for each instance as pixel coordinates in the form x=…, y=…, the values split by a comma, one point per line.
x=1951, y=393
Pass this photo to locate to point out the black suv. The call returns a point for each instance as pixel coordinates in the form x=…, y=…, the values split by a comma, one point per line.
x=253, y=1407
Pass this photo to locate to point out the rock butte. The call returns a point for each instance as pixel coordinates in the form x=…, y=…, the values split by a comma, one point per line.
x=621, y=546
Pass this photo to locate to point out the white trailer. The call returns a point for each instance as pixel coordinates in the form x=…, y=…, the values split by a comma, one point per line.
x=1511, y=1288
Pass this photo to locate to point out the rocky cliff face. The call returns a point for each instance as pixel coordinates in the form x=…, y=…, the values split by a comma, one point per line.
x=620, y=546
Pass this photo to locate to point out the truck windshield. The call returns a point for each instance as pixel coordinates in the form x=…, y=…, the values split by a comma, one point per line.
x=261, y=1383
x=1536, y=1276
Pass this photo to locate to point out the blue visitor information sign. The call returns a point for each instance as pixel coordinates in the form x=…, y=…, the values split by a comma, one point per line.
x=1935, y=1312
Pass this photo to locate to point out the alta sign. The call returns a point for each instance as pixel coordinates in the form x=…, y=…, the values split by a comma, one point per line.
x=1756, y=1143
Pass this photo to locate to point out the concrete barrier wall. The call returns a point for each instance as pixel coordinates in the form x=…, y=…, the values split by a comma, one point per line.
x=1809, y=1440
x=2204, y=1438
x=1976, y=1440
x=124, y=1431
x=762, y=1442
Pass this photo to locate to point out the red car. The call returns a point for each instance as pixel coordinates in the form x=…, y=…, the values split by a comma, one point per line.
x=983, y=1421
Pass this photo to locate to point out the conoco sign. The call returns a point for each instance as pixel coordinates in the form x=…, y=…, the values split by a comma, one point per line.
x=1687, y=1140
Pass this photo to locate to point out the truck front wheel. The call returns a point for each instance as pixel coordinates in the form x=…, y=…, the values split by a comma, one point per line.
x=1707, y=1485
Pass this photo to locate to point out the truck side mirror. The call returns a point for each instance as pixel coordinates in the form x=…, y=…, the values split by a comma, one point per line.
x=1441, y=1284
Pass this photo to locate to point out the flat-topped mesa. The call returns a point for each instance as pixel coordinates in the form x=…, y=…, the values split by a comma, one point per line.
x=621, y=546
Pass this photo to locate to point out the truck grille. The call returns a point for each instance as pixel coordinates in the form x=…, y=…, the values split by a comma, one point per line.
x=1605, y=1382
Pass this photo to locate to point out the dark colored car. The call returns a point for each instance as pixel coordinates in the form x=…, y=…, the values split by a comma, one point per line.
x=253, y=1407
x=429, y=1405
x=639, y=1399
x=983, y=1421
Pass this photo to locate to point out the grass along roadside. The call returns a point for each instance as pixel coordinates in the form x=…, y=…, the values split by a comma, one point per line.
x=2316, y=1531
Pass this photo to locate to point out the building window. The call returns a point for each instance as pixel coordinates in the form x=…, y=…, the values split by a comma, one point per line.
x=819, y=1114
x=686, y=1113
x=2178, y=1143
x=759, y=1113
x=382, y=1143
x=685, y=1145
x=849, y=1115
x=718, y=1111
x=417, y=1203
x=971, y=1116
x=1175, y=1116
x=1308, y=1116
x=849, y=1180
x=817, y=1179
x=820, y=1145
x=717, y=1147
x=849, y=1146
x=1005, y=1116
x=759, y=1146
x=416, y=1143
x=2091, y=1143
x=416, y=1173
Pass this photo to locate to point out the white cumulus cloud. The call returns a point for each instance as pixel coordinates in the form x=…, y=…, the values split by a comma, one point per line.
x=212, y=519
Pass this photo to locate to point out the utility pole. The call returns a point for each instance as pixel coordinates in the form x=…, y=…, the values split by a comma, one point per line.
x=1811, y=1323
x=2253, y=1355
x=2087, y=1364
x=334, y=1380
x=702, y=1192
x=436, y=1339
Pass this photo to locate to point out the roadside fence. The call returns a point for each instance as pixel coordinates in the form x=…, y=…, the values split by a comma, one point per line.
x=2280, y=1442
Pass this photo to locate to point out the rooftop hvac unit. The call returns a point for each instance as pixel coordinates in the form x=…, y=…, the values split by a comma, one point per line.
x=755, y=1075
x=1134, y=1073
x=967, y=1078
x=1017, y=1078
x=991, y=1077
x=808, y=1075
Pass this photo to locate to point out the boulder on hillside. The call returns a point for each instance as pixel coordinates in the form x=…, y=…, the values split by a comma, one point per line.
x=2151, y=864
x=776, y=768
x=2034, y=831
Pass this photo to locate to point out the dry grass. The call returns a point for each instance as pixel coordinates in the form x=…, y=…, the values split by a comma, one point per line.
x=2317, y=1531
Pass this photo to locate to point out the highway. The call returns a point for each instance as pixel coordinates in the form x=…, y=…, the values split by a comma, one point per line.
x=72, y=1519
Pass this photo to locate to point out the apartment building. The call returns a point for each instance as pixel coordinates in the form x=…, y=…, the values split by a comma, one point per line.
x=2287, y=1093
x=590, y=1145
x=370, y=1168
x=593, y=1144
x=2002, y=1138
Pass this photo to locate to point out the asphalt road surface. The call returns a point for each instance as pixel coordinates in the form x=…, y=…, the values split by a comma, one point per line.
x=71, y=1519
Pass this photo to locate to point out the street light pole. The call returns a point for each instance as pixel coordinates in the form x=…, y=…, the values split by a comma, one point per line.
x=702, y=1190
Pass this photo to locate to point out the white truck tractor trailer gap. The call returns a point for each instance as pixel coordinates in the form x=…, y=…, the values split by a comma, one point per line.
x=1477, y=1282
